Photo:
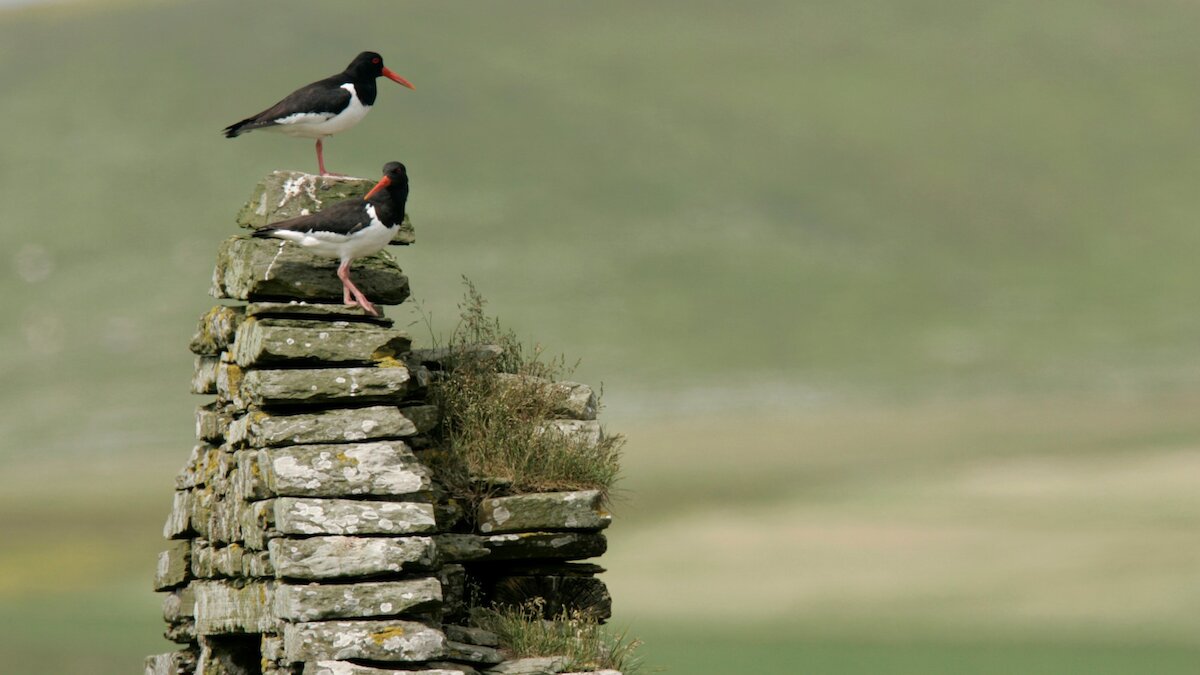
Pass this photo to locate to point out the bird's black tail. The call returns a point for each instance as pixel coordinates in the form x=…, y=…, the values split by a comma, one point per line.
x=233, y=130
x=263, y=232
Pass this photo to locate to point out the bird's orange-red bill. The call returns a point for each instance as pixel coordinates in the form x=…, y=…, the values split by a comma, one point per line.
x=391, y=75
x=384, y=182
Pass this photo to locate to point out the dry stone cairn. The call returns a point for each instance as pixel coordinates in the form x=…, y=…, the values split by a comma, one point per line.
x=307, y=535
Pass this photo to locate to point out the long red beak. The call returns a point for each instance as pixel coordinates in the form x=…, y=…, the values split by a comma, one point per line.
x=389, y=74
x=383, y=182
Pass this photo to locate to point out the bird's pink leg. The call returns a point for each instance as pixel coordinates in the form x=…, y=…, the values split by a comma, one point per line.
x=349, y=287
x=321, y=161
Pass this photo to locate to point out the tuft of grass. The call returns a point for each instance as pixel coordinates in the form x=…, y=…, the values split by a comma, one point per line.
x=497, y=415
x=575, y=635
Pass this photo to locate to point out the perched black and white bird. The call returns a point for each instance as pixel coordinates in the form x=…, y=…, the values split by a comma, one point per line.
x=350, y=229
x=325, y=107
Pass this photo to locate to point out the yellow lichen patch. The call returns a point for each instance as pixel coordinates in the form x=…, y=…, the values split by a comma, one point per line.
x=390, y=362
x=388, y=633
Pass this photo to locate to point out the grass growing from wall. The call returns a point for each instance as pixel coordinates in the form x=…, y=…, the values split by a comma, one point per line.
x=497, y=412
x=577, y=636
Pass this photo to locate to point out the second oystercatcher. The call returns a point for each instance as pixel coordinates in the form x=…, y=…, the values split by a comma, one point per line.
x=350, y=229
x=325, y=107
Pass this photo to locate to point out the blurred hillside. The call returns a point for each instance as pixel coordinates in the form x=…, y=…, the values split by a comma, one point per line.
x=924, y=242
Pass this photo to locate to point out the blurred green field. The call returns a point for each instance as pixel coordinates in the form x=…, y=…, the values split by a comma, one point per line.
x=894, y=300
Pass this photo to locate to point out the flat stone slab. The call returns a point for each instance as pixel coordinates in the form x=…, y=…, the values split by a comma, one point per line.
x=582, y=431
x=347, y=668
x=182, y=662
x=292, y=516
x=316, y=311
x=312, y=602
x=336, y=557
x=536, y=665
x=287, y=194
x=204, y=375
x=272, y=269
x=476, y=654
x=222, y=607
x=263, y=429
x=471, y=635
x=179, y=522
x=385, y=468
x=267, y=342
x=457, y=547
x=555, y=545
x=313, y=386
x=174, y=565
x=391, y=640
x=212, y=422
x=216, y=330
x=577, y=510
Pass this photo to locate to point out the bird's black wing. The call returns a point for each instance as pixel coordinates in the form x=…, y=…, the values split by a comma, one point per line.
x=343, y=218
x=315, y=102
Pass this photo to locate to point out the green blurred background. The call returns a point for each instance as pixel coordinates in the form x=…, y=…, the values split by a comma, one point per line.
x=895, y=301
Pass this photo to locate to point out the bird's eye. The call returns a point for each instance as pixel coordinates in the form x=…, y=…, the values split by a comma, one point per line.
x=375, y=60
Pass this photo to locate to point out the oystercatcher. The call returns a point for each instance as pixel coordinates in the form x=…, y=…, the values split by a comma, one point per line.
x=324, y=107
x=350, y=229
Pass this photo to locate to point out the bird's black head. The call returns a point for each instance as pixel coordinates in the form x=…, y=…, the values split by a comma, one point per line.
x=369, y=65
x=395, y=171
x=395, y=181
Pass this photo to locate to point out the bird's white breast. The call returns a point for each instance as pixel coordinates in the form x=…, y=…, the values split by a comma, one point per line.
x=318, y=125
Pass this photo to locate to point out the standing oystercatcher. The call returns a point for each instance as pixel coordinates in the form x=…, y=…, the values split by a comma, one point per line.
x=326, y=106
x=351, y=229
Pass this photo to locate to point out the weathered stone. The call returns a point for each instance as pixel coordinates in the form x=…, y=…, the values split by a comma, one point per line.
x=271, y=645
x=453, y=578
x=557, y=545
x=182, y=631
x=572, y=400
x=227, y=561
x=478, y=654
x=448, y=358
x=212, y=421
x=204, y=375
x=347, y=668
x=257, y=564
x=287, y=194
x=577, y=510
x=202, y=565
x=298, y=516
x=182, y=662
x=216, y=330
x=381, y=468
x=315, y=311
x=315, y=386
x=173, y=565
x=263, y=342
x=313, y=602
x=263, y=429
x=537, y=665
x=583, y=431
x=251, y=484
x=335, y=557
x=471, y=635
x=178, y=525
x=222, y=607
x=201, y=467
x=596, y=672
x=179, y=604
x=271, y=269
x=391, y=640
x=454, y=547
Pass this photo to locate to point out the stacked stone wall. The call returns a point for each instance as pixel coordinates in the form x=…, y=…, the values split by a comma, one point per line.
x=307, y=533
